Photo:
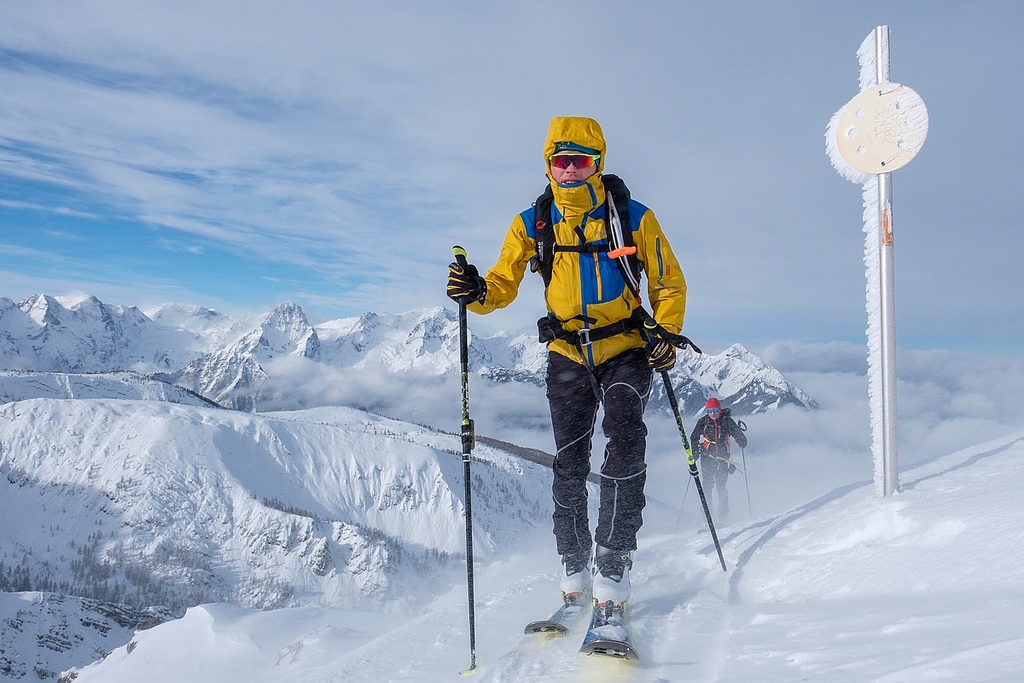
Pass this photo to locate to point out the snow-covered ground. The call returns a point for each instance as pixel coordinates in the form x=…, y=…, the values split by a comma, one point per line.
x=825, y=580
x=924, y=585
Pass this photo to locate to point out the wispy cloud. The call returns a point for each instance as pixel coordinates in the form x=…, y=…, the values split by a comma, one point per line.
x=340, y=150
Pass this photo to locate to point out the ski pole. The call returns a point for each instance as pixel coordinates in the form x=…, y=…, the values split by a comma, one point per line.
x=746, y=482
x=693, y=464
x=650, y=328
x=682, y=505
x=468, y=438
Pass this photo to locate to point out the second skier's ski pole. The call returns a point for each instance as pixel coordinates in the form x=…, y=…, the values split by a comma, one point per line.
x=682, y=505
x=743, y=451
x=468, y=438
x=651, y=329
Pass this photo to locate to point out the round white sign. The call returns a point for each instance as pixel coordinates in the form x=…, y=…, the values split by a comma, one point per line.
x=882, y=128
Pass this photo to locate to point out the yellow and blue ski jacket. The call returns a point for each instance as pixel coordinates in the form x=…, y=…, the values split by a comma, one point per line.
x=587, y=290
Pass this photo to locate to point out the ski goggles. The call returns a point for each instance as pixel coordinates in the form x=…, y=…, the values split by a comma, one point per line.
x=574, y=159
x=712, y=411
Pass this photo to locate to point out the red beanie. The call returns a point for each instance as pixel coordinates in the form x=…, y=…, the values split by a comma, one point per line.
x=712, y=403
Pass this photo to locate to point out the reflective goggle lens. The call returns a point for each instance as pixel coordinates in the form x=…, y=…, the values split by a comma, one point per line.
x=577, y=160
x=712, y=411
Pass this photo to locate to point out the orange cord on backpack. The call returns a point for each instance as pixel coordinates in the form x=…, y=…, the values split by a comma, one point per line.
x=622, y=251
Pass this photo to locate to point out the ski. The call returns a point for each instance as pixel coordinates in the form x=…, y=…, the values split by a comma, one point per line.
x=563, y=618
x=607, y=634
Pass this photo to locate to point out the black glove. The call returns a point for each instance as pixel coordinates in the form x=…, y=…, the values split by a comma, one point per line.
x=465, y=284
x=732, y=468
x=662, y=356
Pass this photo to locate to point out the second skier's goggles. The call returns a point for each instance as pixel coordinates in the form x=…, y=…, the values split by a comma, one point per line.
x=575, y=159
x=712, y=411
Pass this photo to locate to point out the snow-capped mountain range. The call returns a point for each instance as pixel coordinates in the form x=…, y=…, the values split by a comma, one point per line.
x=233, y=361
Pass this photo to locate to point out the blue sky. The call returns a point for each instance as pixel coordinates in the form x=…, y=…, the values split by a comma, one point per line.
x=237, y=155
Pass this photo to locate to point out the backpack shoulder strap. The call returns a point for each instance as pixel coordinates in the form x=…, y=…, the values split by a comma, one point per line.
x=544, y=235
x=620, y=232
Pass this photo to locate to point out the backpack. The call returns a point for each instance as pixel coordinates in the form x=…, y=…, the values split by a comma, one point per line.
x=620, y=233
x=620, y=247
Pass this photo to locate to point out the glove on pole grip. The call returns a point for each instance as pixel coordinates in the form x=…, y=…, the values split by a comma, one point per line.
x=653, y=331
x=472, y=287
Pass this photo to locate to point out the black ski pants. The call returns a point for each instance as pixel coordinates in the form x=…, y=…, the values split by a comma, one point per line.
x=575, y=392
x=715, y=474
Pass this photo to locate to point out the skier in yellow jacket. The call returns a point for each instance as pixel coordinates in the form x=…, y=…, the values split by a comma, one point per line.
x=598, y=355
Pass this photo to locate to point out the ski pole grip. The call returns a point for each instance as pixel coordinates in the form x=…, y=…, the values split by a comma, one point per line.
x=650, y=331
x=460, y=256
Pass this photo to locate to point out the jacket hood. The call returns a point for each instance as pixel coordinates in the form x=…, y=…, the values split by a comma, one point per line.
x=584, y=135
x=575, y=132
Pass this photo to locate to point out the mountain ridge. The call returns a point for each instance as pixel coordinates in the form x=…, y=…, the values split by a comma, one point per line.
x=232, y=361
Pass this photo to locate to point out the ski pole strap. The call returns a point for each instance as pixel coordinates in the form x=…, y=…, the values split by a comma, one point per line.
x=468, y=436
x=654, y=332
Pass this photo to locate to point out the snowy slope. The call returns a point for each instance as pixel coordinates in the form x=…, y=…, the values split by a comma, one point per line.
x=925, y=585
x=19, y=385
x=147, y=502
